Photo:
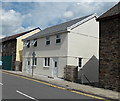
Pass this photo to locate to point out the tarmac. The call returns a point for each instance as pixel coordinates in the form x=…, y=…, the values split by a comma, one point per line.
x=71, y=85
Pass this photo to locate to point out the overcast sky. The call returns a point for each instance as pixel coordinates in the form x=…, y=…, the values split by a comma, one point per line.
x=17, y=17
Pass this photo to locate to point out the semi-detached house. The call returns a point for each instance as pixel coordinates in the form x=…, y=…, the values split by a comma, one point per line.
x=72, y=43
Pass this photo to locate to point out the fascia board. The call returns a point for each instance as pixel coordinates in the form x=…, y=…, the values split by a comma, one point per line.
x=81, y=22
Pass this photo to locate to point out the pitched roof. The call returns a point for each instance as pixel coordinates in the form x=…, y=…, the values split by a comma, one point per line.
x=115, y=10
x=60, y=27
x=16, y=35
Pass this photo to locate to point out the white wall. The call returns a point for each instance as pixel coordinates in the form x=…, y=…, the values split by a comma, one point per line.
x=53, y=50
x=83, y=42
x=85, y=45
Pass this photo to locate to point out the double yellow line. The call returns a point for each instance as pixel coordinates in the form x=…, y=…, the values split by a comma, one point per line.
x=81, y=93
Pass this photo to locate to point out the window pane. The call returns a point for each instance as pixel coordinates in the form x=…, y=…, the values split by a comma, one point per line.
x=47, y=42
x=35, y=61
x=35, y=43
x=28, y=62
x=80, y=62
x=45, y=61
x=28, y=44
x=55, y=63
x=58, y=40
x=32, y=62
x=48, y=61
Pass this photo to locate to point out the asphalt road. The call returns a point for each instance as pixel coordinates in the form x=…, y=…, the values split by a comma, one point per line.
x=14, y=87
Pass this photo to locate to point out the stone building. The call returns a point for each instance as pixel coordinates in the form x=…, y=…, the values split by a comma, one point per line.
x=9, y=50
x=109, y=30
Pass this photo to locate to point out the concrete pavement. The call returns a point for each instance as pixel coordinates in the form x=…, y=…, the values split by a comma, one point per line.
x=70, y=85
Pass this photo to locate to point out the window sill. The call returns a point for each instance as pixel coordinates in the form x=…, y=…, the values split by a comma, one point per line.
x=47, y=45
x=80, y=68
x=46, y=66
x=58, y=43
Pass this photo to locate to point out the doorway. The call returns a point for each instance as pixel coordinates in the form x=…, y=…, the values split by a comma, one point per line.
x=55, y=67
x=28, y=66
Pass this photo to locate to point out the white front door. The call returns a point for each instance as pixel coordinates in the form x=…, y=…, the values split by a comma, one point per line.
x=55, y=67
x=28, y=66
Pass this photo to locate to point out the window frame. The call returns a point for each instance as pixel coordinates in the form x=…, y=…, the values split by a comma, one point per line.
x=35, y=42
x=80, y=62
x=28, y=44
x=47, y=40
x=46, y=62
x=35, y=61
x=58, y=37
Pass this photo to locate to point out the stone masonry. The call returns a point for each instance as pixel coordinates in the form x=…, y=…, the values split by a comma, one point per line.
x=109, y=53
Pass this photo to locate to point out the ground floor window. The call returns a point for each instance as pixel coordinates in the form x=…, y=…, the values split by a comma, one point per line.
x=79, y=62
x=46, y=62
x=34, y=63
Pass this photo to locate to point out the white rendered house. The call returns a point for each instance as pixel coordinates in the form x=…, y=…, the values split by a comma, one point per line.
x=73, y=43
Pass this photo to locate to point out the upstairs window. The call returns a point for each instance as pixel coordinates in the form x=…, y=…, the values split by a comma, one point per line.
x=79, y=62
x=35, y=43
x=47, y=40
x=58, y=38
x=28, y=44
x=46, y=62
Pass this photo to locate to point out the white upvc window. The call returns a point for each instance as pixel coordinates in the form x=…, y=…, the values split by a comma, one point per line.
x=47, y=40
x=46, y=62
x=58, y=38
x=35, y=43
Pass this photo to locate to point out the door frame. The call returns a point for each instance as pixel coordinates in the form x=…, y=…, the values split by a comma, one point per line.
x=53, y=66
x=28, y=67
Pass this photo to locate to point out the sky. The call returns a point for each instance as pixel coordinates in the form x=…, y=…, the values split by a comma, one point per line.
x=17, y=17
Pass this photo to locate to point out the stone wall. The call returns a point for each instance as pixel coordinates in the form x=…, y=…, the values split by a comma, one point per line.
x=71, y=73
x=109, y=54
x=9, y=49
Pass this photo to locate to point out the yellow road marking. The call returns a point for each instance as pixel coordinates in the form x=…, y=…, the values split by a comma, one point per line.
x=80, y=93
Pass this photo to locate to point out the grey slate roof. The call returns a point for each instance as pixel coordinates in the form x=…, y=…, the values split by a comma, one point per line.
x=57, y=28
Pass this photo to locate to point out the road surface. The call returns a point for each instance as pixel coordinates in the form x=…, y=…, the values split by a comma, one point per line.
x=19, y=87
